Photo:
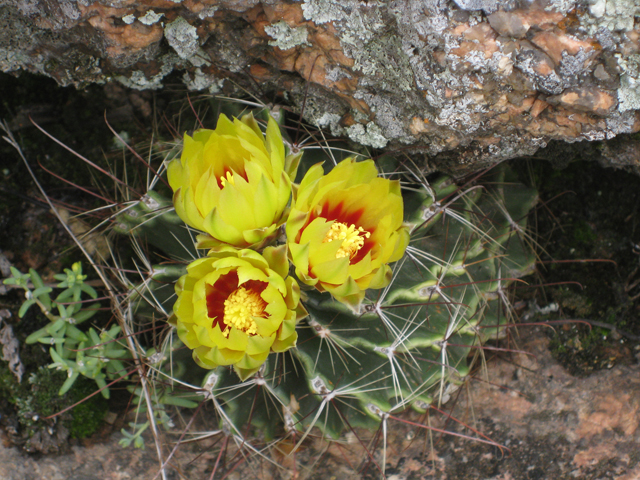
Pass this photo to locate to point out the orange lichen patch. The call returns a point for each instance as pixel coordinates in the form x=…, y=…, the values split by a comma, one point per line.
x=480, y=37
x=510, y=113
x=312, y=65
x=284, y=59
x=564, y=120
x=197, y=6
x=540, y=18
x=289, y=12
x=586, y=99
x=460, y=29
x=571, y=20
x=538, y=107
x=324, y=38
x=97, y=9
x=261, y=73
x=480, y=33
x=328, y=40
x=258, y=20
x=557, y=124
x=487, y=48
x=312, y=62
x=613, y=412
x=556, y=42
x=123, y=38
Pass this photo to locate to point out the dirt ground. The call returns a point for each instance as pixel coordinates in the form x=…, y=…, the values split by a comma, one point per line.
x=552, y=426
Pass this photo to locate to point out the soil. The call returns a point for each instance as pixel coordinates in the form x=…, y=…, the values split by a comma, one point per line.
x=552, y=425
x=568, y=406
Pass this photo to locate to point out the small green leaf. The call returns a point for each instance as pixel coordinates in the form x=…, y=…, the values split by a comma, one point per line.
x=68, y=383
x=36, y=279
x=41, y=291
x=62, y=310
x=51, y=340
x=56, y=326
x=138, y=442
x=86, y=313
x=25, y=306
x=88, y=289
x=76, y=334
x=37, y=335
x=56, y=357
x=115, y=369
x=103, y=385
x=64, y=295
x=95, y=339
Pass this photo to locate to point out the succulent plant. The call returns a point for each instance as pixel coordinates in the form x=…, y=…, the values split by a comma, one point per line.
x=407, y=344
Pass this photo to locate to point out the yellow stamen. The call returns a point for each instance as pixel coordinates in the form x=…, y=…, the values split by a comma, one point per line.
x=352, y=238
x=239, y=308
x=228, y=177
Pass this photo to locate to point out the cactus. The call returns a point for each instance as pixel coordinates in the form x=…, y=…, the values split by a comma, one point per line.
x=408, y=345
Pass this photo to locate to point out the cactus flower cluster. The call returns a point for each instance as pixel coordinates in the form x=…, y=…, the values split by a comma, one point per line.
x=375, y=298
x=234, y=184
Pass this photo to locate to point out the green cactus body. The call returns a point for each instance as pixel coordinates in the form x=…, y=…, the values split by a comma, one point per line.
x=410, y=344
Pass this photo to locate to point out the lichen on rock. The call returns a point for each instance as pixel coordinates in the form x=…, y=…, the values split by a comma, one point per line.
x=369, y=135
x=469, y=76
x=629, y=91
x=183, y=37
x=285, y=37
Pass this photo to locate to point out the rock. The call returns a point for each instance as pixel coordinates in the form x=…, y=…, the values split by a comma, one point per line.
x=508, y=24
x=468, y=83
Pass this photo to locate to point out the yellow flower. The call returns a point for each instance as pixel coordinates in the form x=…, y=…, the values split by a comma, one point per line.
x=234, y=183
x=343, y=229
x=236, y=306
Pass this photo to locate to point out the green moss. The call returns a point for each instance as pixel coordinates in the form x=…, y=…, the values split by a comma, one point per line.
x=89, y=415
x=36, y=398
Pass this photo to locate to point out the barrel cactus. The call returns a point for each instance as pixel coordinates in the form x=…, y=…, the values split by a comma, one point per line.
x=388, y=284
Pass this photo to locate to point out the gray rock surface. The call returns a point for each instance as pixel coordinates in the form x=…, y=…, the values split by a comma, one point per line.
x=469, y=83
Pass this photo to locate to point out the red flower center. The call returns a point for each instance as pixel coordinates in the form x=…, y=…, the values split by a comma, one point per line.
x=230, y=305
x=358, y=241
